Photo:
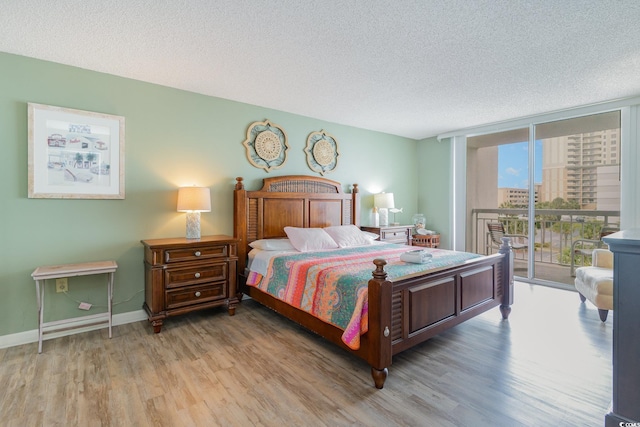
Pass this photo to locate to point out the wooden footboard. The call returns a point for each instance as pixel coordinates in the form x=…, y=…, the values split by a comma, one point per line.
x=424, y=307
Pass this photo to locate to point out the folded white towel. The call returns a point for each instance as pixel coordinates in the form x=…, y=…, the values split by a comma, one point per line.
x=417, y=257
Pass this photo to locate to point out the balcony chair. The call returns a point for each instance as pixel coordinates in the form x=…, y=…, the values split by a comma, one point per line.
x=496, y=233
x=584, y=247
x=595, y=282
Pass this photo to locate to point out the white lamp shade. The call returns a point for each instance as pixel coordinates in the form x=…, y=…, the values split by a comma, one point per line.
x=194, y=199
x=383, y=200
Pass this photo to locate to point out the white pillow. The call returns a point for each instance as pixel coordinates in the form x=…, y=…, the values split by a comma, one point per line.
x=309, y=239
x=347, y=236
x=273, y=245
x=372, y=236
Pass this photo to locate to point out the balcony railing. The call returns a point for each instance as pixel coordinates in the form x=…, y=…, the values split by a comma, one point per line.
x=555, y=232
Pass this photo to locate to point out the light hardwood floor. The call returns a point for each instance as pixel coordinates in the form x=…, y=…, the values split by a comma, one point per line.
x=548, y=365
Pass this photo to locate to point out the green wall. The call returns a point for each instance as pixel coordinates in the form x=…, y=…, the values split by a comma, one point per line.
x=435, y=187
x=173, y=138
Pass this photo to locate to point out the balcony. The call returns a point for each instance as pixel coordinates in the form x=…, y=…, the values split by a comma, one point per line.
x=555, y=232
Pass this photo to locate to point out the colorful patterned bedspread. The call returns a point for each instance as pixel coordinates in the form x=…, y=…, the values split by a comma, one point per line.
x=333, y=285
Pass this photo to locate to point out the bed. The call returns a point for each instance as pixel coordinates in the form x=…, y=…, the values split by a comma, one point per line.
x=402, y=312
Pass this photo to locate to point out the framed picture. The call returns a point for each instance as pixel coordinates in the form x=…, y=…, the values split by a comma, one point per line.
x=75, y=154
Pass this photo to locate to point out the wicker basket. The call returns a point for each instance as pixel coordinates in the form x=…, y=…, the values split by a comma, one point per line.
x=426, y=240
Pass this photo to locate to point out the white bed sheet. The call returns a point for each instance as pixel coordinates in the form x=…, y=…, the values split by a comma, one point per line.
x=258, y=261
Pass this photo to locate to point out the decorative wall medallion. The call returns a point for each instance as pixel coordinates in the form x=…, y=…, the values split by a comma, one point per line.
x=322, y=152
x=266, y=145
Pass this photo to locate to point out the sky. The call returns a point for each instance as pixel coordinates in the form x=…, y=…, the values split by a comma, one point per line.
x=513, y=165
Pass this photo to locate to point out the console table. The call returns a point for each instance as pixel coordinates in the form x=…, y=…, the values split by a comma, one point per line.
x=41, y=274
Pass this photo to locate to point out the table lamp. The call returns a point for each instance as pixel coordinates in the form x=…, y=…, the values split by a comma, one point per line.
x=384, y=202
x=194, y=200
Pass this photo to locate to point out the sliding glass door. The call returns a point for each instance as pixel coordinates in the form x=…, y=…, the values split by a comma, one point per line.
x=553, y=187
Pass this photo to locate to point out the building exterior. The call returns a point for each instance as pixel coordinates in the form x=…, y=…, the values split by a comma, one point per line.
x=580, y=167
x=516, y=197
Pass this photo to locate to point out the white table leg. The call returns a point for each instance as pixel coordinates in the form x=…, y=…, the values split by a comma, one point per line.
x=40, y=292
x=110, y=298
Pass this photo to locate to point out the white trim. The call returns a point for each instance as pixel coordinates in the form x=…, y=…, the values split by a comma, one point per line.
x=519, y=123
x=629, y=171
x=459, y=191
x=531, y=231
x=31, y=336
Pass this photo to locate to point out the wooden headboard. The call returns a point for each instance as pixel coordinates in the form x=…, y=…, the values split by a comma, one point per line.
x=293, y=200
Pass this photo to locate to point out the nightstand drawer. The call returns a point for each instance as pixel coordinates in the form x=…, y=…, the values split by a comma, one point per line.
x=400, y=236
x=176, y=277
x=192, y=254
x=195, y=295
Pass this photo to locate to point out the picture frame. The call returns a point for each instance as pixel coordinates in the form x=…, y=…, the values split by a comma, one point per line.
x=75, y=154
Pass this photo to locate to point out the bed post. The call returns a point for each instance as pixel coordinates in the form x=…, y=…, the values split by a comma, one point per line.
x=355, y=205
x=240, y=223
x=507, y=277
x=379, y=324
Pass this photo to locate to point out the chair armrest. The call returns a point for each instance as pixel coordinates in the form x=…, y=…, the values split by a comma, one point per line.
x=522, y=236
x=582, y=241
x=602, y=258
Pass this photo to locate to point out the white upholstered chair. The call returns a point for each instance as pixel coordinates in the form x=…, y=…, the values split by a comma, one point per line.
x=595, y=282
x=581, y=248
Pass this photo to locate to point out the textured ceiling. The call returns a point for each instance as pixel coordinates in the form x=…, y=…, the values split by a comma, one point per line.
x=410, y=68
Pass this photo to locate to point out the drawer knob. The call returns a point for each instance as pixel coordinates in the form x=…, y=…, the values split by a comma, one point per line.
x=197, y=275
x=198, y=253
x=198, y=294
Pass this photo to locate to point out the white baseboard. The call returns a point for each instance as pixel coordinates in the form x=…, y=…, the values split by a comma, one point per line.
x=28, y=337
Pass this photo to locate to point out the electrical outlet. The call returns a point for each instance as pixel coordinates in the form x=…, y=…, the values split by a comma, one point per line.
x=62, y=285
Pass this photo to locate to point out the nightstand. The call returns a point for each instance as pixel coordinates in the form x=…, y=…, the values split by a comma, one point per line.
x=184, y=275
x=392, y=233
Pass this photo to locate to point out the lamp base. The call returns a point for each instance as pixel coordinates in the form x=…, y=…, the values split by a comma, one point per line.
x=384, y=217
x=193, y=225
